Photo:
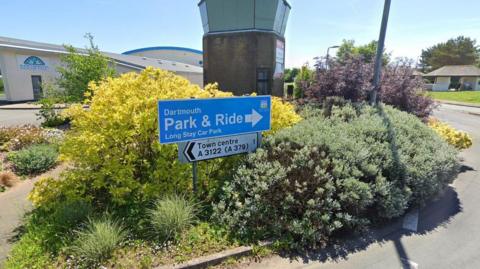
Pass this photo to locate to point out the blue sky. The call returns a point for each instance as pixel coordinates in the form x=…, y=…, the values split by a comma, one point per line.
x=121, y=25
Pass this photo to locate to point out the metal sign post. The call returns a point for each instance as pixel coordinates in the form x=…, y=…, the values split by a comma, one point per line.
x=194, y=176
x=379, y=56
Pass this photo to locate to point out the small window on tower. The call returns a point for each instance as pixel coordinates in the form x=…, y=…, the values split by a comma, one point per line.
x=263, y=87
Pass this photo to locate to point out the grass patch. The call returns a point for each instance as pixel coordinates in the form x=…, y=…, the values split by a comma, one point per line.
x=472, y=97
x=98, y=240
x=171, y=216
x=200, y=240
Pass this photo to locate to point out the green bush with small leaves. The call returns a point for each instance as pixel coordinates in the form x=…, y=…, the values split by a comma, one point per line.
x=336, y=171
x=34, y=159
x=171, y=215
x=49, y=114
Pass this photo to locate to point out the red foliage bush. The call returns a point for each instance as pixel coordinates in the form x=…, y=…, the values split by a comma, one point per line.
x=351, y=79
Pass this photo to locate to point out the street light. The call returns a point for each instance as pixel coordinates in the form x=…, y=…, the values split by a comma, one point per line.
x=328, y=53
x=379, y=56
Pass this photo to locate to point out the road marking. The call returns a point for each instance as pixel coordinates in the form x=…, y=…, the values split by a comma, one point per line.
x=410, y=221
x=407, y=264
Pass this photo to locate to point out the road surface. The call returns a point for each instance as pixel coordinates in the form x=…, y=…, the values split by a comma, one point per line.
x=447, y=232
x=18, y=117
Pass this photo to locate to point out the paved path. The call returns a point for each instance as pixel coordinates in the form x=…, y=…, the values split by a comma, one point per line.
x=13, y=205
x=447, y=231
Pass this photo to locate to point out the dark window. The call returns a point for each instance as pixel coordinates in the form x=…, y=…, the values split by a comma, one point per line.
x=263, y=79
x=37, y=87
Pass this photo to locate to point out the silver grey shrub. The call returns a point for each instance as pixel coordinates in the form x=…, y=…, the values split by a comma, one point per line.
x=337, y=173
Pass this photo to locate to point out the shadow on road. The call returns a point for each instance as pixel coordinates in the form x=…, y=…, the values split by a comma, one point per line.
x=466, y=168
x=438, y=213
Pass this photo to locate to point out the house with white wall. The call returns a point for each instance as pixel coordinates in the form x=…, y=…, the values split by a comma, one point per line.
x=465, y=77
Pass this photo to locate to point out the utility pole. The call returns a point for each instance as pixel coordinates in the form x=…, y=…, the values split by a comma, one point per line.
x=379, y=56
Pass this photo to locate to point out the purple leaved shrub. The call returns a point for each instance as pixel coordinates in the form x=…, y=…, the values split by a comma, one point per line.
x=352, y=80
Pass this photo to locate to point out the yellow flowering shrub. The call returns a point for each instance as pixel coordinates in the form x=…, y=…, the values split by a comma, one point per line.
x=283, y=115
x=458, y=139
x=114, y=145
x=42, y=191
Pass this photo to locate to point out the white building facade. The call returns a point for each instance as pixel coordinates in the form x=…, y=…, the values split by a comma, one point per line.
x=27, y=65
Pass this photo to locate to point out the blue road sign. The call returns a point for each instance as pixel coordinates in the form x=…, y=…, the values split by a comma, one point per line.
x=195, y=119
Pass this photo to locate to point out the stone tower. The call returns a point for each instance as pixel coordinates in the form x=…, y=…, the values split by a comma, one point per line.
x=244, y=44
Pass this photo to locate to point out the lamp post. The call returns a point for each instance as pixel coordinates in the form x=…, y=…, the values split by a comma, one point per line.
x=379, y=56
x=328, y=53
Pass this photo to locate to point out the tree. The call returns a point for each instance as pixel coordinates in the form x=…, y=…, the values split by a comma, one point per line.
x=303, y=80
x=456, y=51
x=291, y=74
x=367, y=51
x=77, y=69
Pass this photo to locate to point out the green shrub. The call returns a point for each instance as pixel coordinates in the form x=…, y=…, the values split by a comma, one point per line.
x=49, y=115
x=170, y=216
x=114, y=149
x=34, y=159
x=28, y=253
x=46, y=233
x=200, y=240
x=97, y=240
x=338, y=173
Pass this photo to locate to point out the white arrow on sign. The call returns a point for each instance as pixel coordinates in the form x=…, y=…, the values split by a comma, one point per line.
x=254, y=118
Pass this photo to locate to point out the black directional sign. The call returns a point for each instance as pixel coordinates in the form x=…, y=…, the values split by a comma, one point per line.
x=189, y=151
x=218, y=147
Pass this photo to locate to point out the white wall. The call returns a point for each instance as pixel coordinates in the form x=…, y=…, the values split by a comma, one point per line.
x=18, y=81
x=472, y=81
x=441, y=84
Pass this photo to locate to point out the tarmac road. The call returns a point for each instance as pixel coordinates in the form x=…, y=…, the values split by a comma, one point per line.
x=447, y=231
x=16, y=117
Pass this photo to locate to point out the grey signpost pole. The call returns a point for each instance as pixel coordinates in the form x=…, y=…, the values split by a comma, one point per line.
x=379, y=56
x=194, y=174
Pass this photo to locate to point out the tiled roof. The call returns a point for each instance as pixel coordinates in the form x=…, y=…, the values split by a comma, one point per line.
x=455, y=71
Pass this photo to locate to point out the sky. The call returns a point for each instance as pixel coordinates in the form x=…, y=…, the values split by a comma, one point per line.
x=314, y=25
